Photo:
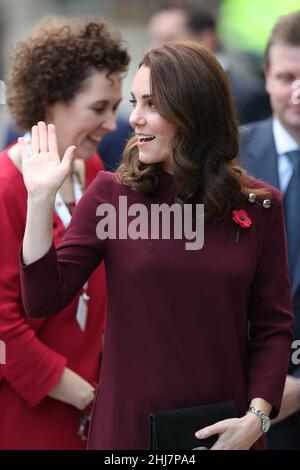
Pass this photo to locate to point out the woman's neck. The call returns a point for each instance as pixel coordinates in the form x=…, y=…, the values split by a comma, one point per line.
x=67, y=190
x=15, y=155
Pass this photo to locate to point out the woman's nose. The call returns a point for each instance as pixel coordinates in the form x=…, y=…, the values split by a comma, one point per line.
x=136, y=119
x=110, y=123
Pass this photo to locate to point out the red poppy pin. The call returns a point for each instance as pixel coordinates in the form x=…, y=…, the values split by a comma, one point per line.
x=241, y=218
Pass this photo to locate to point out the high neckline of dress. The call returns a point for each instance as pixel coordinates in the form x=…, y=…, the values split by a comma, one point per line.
x=165, y=174
x=166, y=183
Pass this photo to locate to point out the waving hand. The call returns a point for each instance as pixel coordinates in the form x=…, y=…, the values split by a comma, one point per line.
x=44, y=171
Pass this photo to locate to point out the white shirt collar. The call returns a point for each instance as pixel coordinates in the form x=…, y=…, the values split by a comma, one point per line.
x=284, y=142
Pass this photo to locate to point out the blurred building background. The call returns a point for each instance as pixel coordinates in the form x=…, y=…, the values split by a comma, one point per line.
x=244, y=26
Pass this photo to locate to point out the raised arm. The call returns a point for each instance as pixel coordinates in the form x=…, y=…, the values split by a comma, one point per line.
x=43, y=174
x=50, y=277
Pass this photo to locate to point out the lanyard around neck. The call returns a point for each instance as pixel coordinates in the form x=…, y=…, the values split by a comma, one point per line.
x=60, y=206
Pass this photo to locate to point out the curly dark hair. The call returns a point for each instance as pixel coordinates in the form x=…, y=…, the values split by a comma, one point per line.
x=52, y=64
x=191, y=90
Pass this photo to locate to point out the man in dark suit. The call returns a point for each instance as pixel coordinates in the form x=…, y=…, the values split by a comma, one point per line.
x=196, y=24
x=270, y=150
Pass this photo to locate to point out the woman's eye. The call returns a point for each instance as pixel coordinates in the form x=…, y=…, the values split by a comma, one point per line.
x=151, y=105
x=98, y=110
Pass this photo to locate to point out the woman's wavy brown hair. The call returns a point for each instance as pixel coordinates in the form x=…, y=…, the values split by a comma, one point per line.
x=52, y=64
x=191, y=90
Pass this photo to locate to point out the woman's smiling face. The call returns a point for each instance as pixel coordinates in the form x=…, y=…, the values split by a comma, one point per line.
x=89, y=115
x=155, y=135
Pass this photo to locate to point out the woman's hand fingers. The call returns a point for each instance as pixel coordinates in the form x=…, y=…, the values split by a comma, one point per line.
x=216, y=428
x=68, y=157
x=52, y=140
x=35, y=141
x=43, y=137
x=44, y=171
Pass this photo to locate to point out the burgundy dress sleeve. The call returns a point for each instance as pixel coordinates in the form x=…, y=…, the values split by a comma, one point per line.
x=32, y=368
x=270, y=313
x=79, y=254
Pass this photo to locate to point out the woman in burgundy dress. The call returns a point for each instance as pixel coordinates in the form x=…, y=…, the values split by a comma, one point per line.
x=179, y=311
x=59, y=75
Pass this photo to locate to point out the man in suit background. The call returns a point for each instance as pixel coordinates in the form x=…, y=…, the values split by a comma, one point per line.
x=194, y=23
x=270, y=150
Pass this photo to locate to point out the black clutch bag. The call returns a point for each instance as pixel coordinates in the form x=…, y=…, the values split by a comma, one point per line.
x=175, y=429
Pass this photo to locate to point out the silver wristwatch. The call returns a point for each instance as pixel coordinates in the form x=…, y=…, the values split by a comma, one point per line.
x=265, y=420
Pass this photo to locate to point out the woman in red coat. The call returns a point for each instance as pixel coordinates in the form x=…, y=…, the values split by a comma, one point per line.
x=47, y=385
x=189, y=323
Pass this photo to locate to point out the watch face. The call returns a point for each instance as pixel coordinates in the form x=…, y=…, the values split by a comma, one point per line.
x=266, y=425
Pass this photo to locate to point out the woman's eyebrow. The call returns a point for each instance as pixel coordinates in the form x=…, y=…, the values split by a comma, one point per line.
x=100, y=102
x=144, y=97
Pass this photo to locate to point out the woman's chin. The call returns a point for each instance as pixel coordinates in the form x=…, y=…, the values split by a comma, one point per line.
x=84, y=154
x=147, y=159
